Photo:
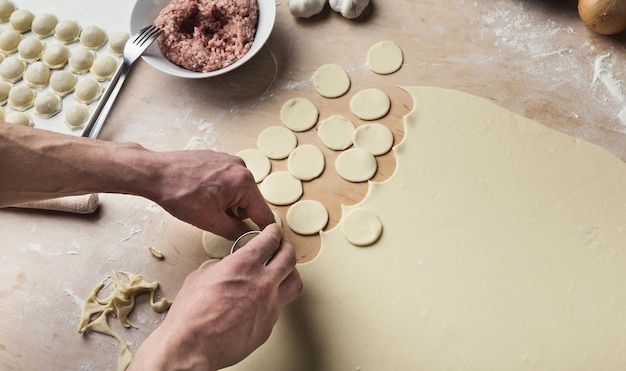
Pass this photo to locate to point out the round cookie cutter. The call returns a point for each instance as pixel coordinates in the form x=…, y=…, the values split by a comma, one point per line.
x=242, y=240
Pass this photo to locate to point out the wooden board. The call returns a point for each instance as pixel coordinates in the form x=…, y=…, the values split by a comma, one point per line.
x=530, y=56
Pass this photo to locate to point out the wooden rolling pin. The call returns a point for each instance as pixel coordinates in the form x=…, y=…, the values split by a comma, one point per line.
x=84, y=204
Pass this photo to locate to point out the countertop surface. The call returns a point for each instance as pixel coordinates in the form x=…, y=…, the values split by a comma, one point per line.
x=533, y=57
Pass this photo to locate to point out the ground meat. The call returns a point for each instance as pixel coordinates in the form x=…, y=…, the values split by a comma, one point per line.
x=207, y=35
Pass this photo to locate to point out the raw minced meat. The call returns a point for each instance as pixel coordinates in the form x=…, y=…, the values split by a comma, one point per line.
x=207, y=35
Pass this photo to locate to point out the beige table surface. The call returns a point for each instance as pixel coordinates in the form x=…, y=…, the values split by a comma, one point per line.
x=533, y=57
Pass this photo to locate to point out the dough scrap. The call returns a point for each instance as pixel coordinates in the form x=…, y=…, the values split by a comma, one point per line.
x=47, y=104
x=12, y=69
x=356, y=165
x=385, y=58
x=306, y=162
x=299, y=114
x=93, y=37
x=281, y=188
x=81, y=60
x=21, y=98
x=76, y=116
x=30, y=49
x=374, y=137
x=121, y=302
x=6, y=9
x=258, y=164
x=87, y=90
x=21, y=20
x=503, y=249
x=9, y=41
x=104, y=67
x=276, y=142
x=336, y=132
x=67, y=31
x=56, y=56
x=361, y=227
x=117, y=42
x=44, y=24
x=370, y=104
x=37, y=75
x=63, y=82
x=331, y=81
x=307, y=217
x=20, y=118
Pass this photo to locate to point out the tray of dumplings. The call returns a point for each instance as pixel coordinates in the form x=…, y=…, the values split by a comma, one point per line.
x=53, y=71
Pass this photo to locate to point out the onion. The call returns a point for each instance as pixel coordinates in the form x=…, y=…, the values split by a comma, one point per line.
x=606, y=17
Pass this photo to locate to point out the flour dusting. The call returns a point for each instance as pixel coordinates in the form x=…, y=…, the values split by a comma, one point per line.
x=603, y=75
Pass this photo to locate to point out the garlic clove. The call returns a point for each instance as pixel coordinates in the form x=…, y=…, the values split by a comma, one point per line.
x=305, y=8
x=349, y=8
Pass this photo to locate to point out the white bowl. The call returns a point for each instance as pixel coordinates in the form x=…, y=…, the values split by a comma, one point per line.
x=145, y=12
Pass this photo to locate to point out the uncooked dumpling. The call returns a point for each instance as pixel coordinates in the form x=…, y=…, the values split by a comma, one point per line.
x=6, y=9
x=5, y=88
x=30, y=49
x=67, y=31
x=103, y=67
x=21, y=20
x=88, y=90
x=20, y=118
x=37, y=75
x=47, y=104
x=117, y=42
x=63, y=82
x=76, y=116
x=44, y=24
x=12, y=69
x=21, y=98
x=9, y=41
x=81, y=60
x=56, y=56
x=93, y=37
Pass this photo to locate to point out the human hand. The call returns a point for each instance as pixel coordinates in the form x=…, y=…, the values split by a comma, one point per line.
x=211, y=190
x=226, y=311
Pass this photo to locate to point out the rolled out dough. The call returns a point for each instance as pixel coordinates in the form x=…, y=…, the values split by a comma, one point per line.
x=503, y=249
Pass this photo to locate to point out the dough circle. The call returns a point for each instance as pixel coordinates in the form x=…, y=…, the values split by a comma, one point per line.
x=306, y=162
x=361, y=227
x=331, y=81
x=37, y=75
x=370, y=104
x=44, y=24
x=385, y=57
x=356, y=165
x=307, y=217
x=374, y=137
x=258, y=164
x=336, y=132
x=276, y=142
x=76, y=116
x=299, y=114
x=281, y=188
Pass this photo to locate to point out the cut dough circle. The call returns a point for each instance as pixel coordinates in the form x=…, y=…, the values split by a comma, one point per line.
x=47, y=104
x=209, y=263
x=20, y=118
x=299, y=114
x=30, y=49
x=81, y=60
x=361, y=227
x=56, y=56
x=21, y=20
x=37, y=75
x=21, y=98
x=9, y=41
x=76, y=116
x=307, y=217
x=62, y=82
x=117, y=42
x=331, y=81
x=281, y=188
x=6, y=9
x=258, y=164
x=306, y=162
x=87, y=90
x=385, y=57
x=93, y=37
x=276, y=142
x=336, y=132
x=370, y=104
x=44, y=24
x=67, y=31
x=104, y=67
x=374, y=137
x=356, y=165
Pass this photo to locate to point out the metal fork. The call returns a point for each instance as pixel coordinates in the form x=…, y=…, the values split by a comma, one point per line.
x=133, y=49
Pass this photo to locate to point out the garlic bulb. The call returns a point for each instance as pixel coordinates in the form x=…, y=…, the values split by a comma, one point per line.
x=305, y=8
x=606, y=17
x=349, y=8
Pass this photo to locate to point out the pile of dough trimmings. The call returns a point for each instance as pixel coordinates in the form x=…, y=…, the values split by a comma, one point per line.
x=119, y=304
x=35, y=47
x=358, y=146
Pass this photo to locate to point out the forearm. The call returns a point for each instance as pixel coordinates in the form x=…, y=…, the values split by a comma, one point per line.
x=37, y=164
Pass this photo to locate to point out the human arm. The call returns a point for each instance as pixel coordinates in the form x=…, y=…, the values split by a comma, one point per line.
x=226, y=311
x=199, y=187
